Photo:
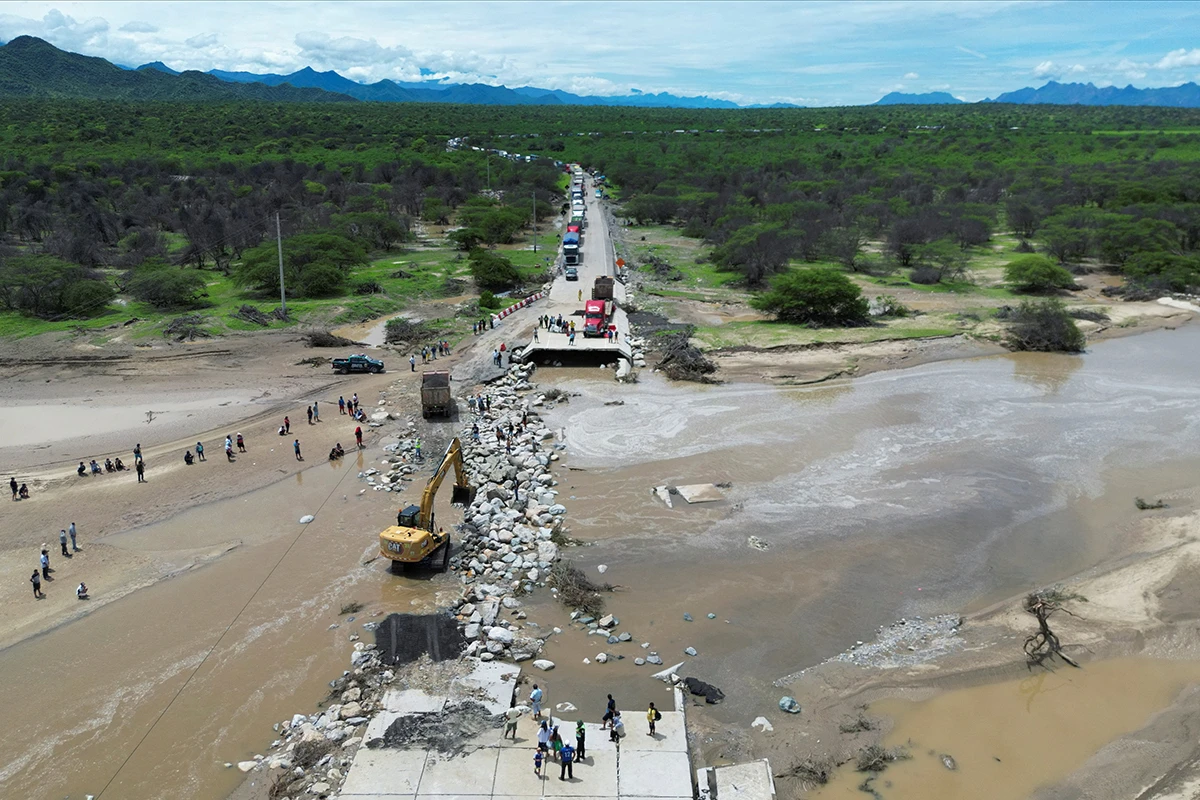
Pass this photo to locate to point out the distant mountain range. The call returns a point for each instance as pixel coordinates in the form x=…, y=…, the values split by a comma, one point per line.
x=31, y=67
x=1086, y=94
x=927, y=99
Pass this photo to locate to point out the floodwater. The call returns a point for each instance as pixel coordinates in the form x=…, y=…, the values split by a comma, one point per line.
x=901, y=493
x=69, y=420
x=1007, y=739
x=930, y=490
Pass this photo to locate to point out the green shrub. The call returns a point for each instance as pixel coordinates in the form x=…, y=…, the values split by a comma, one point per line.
x=817, y=296
x=1035, y=273
x=1045, y=326
x=164, y=286
x=493, y=271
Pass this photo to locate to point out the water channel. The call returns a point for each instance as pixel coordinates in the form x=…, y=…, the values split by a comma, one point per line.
x=910, y=492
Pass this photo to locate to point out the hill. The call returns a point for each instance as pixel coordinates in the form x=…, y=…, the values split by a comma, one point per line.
x=926, y=99
x=1087, y=94
x=31, y=67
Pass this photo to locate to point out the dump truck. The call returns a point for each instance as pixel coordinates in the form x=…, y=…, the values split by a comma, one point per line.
x=415, y=540
x=602, y=288
x=435, y=394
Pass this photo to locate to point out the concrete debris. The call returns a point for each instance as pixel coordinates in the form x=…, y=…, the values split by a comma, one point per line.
x=666, y=674
x=762, y=723
x=757, y=543
x=700, y=493
x=663, y=494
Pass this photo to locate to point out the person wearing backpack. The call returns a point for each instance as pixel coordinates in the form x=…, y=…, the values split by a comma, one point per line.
x=653, y=715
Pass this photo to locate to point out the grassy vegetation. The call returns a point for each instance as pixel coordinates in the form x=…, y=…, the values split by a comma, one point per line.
x=765, y=334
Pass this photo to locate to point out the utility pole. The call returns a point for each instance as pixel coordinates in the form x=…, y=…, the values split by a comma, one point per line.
x=535, y=222
x=279, y=245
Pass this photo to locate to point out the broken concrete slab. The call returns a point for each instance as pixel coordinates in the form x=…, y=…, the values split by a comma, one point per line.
x=662, y=494
x=700, y=493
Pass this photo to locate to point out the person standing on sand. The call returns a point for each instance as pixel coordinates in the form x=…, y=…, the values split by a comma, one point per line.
x=316, y=412
x=12, y=484
x=296, y=447
x=45, y=563
x=310, y=415
x=62, y=542
x=358, y=436
x=412, y=362
x=200, y=451
x=354, y=401
x=287, y=425
x=137, y=453
x=241, y=443
x=71, y=531
x=36, y=580
x=580, y=741
x=341, y=406
x=141, y=469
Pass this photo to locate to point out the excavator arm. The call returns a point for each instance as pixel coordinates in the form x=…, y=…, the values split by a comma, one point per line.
x=463, y=492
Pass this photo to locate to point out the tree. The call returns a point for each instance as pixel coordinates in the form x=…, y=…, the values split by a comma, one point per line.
x=938, y=261
x=757, y=250
x=1042, y=605
x=1044, y=326
x=844, y=245
x=1166, y=270
x=1064, y=242
x=161, y=285
x=374, y=229
x=815, y=295
x=1034, y=273
x=46, y=286
x=330, y=255
x=493, y=271
x=1119, y=238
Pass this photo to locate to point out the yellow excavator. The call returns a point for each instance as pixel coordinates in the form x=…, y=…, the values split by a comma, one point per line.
x=415, y=539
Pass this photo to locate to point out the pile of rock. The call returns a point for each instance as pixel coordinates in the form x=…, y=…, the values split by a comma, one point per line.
x=907, y=642
x=313, y=752
x=506, y=542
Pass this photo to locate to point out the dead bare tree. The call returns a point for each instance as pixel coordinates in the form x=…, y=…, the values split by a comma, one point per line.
x=1042, y=604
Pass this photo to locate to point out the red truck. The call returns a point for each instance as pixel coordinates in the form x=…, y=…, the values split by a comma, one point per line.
x=596, y=314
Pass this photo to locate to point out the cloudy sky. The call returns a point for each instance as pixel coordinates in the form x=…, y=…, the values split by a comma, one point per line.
x=810, y=53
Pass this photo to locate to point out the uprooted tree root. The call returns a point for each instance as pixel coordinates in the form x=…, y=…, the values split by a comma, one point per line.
x=810, y=771
x=875, y=758
x=683, y=361
x=575, y=590
x=1044, y=645
x=1142, y=505
x=187, y=328
x=406, y=331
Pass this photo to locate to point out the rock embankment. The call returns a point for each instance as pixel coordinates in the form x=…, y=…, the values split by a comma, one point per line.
x=505, y=548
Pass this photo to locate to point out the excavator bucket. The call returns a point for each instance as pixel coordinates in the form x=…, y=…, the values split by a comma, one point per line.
x=462, y=495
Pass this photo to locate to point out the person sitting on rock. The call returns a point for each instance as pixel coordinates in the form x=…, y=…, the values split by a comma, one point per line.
x=82, y=470
x=188, y=458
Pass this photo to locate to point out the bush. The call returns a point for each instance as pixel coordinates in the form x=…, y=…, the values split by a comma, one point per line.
x=164, y=286
x=493, y=271
x=320, y=280
x=818, y=296
x=926, y=276
x=1043, y=326
x=488, y=300
x=885, y=305
x=1034, y=273
x=85, y=298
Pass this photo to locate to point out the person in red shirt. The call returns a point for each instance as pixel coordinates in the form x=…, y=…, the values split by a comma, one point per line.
x=358, y=437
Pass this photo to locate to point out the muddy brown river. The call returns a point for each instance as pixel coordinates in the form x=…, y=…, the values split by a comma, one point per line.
x=911, y=492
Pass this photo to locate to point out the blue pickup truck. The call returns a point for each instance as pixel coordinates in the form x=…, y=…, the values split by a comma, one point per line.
x=357, y=363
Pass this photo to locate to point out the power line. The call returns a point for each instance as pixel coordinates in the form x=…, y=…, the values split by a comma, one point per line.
x=221, y=638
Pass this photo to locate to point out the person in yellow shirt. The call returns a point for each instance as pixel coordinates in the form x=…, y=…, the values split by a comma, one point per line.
x=652, y=716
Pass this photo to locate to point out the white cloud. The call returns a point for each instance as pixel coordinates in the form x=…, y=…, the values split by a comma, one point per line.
x=58, y=28
x=348, y=51
x=970, y=52
x=1046, y=69
x=139, y=27
x=201, y=41
x=911, y=76
x=1179, y=58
